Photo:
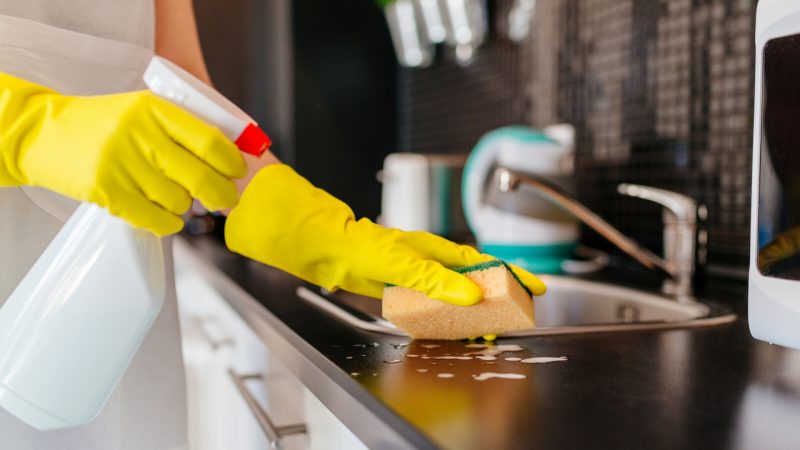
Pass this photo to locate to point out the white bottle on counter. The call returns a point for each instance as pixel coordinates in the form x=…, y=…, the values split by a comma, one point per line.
x=72, y=326
x=774, y=274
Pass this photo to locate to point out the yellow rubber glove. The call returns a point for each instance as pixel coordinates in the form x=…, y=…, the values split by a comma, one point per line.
x=284, y=221
x=139, y=156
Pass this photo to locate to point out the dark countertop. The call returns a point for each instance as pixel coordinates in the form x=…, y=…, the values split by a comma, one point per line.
x=714, y=388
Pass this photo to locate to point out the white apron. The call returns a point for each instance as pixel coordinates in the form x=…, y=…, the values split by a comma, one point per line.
x=86, y=47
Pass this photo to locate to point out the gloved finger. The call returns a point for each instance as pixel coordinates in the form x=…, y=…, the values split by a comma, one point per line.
x=367, y=288
x=451, y=254
x=214, y=191
x=444, y=251
x=536, y=286
x=203, y=140
x=142, y=213
x=432, y=279
x=158, y=188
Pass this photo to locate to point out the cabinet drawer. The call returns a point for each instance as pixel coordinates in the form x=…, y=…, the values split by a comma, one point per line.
x=233, y=380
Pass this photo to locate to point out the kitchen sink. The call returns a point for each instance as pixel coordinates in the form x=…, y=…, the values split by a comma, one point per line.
x=570, y=306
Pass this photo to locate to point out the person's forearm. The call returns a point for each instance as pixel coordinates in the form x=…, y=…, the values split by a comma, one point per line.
x=178, y=41
x=177, y=38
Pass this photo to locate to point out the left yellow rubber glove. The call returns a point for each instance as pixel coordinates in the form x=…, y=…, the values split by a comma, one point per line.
x=284, y=221
x=133, y=153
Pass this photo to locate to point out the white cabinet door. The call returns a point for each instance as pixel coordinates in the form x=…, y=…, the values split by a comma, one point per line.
x=216, y=417
x=325, y=430
x=218, y=347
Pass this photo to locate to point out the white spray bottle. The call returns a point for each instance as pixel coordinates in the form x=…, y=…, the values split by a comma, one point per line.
x=72, y=326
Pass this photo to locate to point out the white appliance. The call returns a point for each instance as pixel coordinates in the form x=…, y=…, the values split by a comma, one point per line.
x=72, y=326
x=423, y=193
x=538, y=235
x=774, y=288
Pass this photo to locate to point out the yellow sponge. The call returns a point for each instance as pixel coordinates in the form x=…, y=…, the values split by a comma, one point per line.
x=507, y=305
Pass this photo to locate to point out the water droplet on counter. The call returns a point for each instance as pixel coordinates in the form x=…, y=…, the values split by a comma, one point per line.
x=422, y=370
x=394, y=361
x=445, y=375
x=412, y=356
x=486, y=357
x=463, y=358
x=509, y=376
x=354, y=374
x=360, y=345
x=375, y=344
x=430, y=346
x=348, y=357
x=493, y=350
x=399, y=346
x=544, y=359
x=513, y=359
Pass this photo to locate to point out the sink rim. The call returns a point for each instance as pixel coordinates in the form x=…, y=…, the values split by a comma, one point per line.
x=709, y=315
x=555, y=282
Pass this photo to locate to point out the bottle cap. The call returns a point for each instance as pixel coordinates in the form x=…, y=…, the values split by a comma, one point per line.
x=253, y=140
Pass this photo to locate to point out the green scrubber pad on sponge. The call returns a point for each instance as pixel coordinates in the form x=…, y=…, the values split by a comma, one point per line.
x=506, y=306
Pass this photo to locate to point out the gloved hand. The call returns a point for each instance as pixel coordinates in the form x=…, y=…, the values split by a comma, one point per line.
x=135, y=154
x=284, y=221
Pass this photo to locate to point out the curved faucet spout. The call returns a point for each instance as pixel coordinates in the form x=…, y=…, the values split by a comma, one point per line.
x=508, y=180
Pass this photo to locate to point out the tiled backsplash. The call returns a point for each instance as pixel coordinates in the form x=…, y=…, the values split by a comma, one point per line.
x=660, y=92
x=446, y=108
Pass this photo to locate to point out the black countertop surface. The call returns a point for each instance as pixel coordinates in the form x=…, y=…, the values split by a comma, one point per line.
x=711, y=388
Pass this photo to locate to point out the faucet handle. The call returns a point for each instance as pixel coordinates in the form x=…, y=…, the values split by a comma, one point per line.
x=684, y=243
x=684, y=209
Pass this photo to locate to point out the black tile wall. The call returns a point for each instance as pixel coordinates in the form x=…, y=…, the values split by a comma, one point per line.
x=446, y=108
x=660, y=92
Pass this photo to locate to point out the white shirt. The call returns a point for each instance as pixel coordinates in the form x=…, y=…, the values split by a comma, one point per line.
x=85, y=47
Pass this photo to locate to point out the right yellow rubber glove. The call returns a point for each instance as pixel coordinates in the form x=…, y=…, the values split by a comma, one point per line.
x=284, y=221
x=135, y=154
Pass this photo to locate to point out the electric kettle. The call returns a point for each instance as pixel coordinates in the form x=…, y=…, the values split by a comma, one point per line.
x=529, y=232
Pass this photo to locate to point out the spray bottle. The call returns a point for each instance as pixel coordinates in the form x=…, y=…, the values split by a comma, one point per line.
x=72, y=326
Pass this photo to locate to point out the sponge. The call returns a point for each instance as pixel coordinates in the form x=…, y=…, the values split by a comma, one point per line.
x=507, y=305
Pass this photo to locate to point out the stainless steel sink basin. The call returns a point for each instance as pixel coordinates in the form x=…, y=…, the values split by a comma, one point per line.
x=570, y=306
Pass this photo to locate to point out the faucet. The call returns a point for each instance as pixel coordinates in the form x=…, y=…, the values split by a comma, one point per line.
x=682, y=240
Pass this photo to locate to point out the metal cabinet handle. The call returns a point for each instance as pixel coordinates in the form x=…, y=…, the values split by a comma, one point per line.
x=274, y=433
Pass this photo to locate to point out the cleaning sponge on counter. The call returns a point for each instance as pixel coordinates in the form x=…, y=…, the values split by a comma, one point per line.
x=507, y=305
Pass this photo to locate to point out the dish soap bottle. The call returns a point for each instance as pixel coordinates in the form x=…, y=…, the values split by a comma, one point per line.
x=72, y=326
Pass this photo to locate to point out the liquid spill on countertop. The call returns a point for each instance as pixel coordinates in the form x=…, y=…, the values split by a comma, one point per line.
x=488, y=352
x=544, y=359
x=374, y=344
x=493, y=350
x=508, y=376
